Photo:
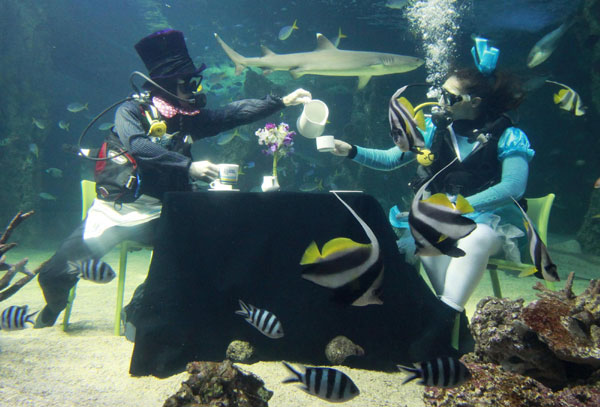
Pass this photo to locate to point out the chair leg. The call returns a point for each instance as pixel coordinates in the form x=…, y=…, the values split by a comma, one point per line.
x=495, y=281
x=69, y=307
x=120, y=288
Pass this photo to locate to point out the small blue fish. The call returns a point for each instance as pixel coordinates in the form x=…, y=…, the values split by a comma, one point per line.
x=105, y=126
x=93, y=270
x=76, y=107
x=266, y=322
x=14, y=318
x=46, y=196
x=64, y=125
x=250, y=164
x=33, y=149
x=286, y=31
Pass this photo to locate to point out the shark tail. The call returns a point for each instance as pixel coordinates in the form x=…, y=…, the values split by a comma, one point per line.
x=237, y=59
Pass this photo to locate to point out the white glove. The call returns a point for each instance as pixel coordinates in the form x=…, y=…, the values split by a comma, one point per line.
x=204, y=170
x=296, y=97
x=341, y=148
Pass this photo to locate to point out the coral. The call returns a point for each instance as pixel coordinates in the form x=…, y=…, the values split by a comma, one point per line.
x=339, y=348
x=239, y=351
x=219, y=384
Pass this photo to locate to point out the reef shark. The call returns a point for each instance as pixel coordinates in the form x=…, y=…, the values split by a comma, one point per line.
x=326, y=60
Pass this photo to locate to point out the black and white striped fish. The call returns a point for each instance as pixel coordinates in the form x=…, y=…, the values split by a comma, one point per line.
x=93, y=270
x=266, y=322
x=324, y=382
x=440, y=372
x=343, y=261
x=569, y=100
x=15, y=317
x=403, y=123
x=436, y=224
x=544, y=267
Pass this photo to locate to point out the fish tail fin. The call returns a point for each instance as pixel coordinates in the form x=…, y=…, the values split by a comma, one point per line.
x=73, y=268
x=528, y=272
x=292, y=379
x=454, y=251
x=237, y=59
x=86, y=106
x=244, y=310
x=462, y=205
x=311, y=254
x=414, y=373
x=28, y=319
x=340, y=35
x=294, y=26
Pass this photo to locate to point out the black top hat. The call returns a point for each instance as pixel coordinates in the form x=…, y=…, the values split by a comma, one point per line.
x=166, y=56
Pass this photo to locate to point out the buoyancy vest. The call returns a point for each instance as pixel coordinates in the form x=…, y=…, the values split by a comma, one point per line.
x=477, y=172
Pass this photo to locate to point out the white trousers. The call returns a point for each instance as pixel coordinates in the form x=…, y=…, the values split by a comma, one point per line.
x=455, y=278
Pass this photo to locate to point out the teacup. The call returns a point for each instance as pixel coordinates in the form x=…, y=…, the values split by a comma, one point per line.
x=325, y=144
x=217, y=185
x=269, y=183
x=228, y=173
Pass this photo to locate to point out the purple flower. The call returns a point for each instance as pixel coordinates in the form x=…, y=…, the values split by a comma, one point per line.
x=270, y=126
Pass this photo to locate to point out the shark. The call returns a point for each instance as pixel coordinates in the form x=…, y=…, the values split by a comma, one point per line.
x=326, y=60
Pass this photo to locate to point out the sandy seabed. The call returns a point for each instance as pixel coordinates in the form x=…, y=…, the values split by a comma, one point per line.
x=87, y=366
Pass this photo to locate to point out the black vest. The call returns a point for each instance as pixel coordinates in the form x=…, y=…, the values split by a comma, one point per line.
x=477, y=172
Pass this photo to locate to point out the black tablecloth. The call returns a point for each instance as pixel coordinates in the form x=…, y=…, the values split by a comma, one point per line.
x=214, y=248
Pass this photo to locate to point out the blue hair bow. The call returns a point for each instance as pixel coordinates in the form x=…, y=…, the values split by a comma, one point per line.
x=485, y=56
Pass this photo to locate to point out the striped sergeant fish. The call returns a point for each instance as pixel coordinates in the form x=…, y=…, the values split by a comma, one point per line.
x=437, y=224
x=15, y=317
x=324, y=382
x=404, y=124
x=569, y=100
x=342, y=261
x=544, y=268
x=266, y=322
x=93, y=270
x=440, y=372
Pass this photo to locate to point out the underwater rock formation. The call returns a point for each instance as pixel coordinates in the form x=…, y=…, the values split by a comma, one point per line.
x=544, y=354
x=239, y=351
x=340, y=348
x=219, y=384
x=491, y=385
x=555, y=339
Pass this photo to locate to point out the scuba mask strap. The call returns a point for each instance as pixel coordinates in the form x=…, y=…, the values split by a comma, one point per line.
x=485, y=57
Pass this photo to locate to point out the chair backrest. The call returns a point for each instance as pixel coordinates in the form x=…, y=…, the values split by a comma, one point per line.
x=88, y=194
x=538, y=210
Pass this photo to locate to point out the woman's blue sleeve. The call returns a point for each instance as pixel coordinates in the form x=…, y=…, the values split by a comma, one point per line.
x=514, y=141
x=392, y=158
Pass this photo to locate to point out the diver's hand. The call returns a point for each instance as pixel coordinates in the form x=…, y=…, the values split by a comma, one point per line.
x=296, y=97
x=341, y=148
x=204, y=170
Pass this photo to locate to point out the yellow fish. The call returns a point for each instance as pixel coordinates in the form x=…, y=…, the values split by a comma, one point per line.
x=569, y=100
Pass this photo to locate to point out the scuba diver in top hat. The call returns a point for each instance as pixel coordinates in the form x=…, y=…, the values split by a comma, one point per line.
x=147, y=154
x=489, y=172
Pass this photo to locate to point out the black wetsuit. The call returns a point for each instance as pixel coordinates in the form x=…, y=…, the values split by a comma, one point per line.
x=161, y=168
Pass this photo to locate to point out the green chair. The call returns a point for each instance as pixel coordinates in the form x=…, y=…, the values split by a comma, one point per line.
x=88, y=194
x=538, y=209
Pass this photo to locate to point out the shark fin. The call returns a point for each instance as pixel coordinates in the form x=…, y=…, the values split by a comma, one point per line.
x=340, y=244
x=311, y=254
x=362, y=81
x=266, y=51
x=462, y=205
x=296, y=73
x=323, y=43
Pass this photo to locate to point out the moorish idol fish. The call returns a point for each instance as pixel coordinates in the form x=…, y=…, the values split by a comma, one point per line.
x=93, y=270
x=404, y=123
x=441, y=372
x=15, y=317
x=569, y=100
x=324, y=382
x=544, y=268
x=342, y=260
x=266, y=322
x=437, y=224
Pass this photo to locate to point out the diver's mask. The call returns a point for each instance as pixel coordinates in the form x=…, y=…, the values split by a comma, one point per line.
x=192, y=86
